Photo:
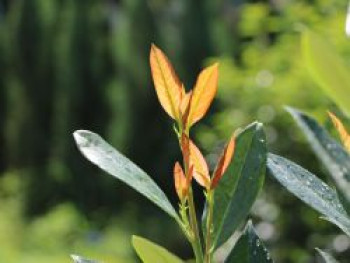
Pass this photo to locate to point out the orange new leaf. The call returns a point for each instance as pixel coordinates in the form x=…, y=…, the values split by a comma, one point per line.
x=203, y=93
x=224, y=161
x=344, y=135
x=200, y=167
x=181, y=184
x=167, y=85
x=185, y=106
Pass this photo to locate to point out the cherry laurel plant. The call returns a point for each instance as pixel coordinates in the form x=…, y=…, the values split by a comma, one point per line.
x=330, y=72
x=229, y=190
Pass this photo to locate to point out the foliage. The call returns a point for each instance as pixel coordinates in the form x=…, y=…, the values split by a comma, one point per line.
x=334, y=205
x=51, y=237
x=232, y=181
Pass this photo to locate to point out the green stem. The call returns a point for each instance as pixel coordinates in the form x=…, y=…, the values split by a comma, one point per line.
x=208, y=250
x=196, y=242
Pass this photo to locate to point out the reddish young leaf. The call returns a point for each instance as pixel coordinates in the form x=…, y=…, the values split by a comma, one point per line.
x=167, y=85
x=181, y=184
x=203, y=93
x=185, y=106
x=224, y=161
x=200, y=167
x=344, y=135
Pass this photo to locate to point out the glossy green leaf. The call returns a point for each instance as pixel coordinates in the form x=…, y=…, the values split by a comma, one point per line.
x=79, y=259
x=309, y=189
x=100, y=153
x=240, y=185
x=327, y=258
x=332, y=155
x=150, y=252
x=249, y=249
x=327, y=68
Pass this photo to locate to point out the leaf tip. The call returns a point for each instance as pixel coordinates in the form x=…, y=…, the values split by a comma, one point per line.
x=81, y=137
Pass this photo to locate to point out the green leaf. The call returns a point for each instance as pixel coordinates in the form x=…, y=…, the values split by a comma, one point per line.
x=249, y=249
x=240, y=185
x=327, y=68
x=78, y=259
x=309, y=189
x=326, y=257
x=332, y=155
x=150, y=252
x=100, y=153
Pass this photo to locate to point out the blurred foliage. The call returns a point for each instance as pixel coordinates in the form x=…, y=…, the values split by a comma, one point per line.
x=62, y=231
x=67, y=65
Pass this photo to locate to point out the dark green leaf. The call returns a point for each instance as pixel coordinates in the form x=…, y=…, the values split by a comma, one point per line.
x=249, y=249
x=327, y=68
x=100, y=153
x=309, y=189
x=240, y=185
x=78, y=259
x=326, y=257
x=332, y=155
x=150, y=252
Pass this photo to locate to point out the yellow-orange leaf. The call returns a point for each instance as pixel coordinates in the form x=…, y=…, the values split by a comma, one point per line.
x=200, y=167
x=185, y=106
x=181, y=184
x=203, y=93
x=344, y=135
x=167, y=84
x=224, y=161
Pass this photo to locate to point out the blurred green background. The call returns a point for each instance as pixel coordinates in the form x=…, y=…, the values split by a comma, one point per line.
x=72, y=64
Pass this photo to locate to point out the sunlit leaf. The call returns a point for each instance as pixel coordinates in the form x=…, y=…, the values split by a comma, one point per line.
x=327, y=258
x=100, y=153
x=180, y=181
x=79, y=259
x=344, y=135
x=223, y=162
x=167, y=84
x=185, y=106
x=327, y=68
x=309, y=189
x=200, y=166
x=330, y=152
x=243, y=180
x=203, y=93
x=150, y=252
x=249, y=249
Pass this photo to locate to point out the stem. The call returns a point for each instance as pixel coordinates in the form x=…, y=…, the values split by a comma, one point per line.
x=208, y=249
x=196, y=242
x=194, y=236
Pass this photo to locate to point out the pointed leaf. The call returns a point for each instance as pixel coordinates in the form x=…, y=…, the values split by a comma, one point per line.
x=344, y=135
x=243, y=180
x=309, y=189
x=327, y=68
x=78, y=259
x=249, y=249
x=203, y=93
x=100, y=153
x=200, y=166
x=185, y=106
x=167, y=84
x=180, y=181
x=150, y=252
x=326, y=257
x=332, y=155
x=224, y=161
